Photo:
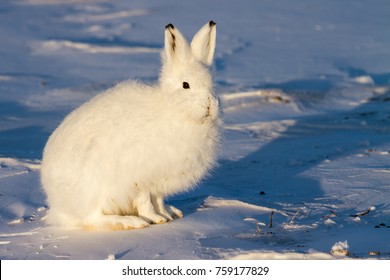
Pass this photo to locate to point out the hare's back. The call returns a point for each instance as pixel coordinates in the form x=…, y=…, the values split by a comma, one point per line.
x=108, y=117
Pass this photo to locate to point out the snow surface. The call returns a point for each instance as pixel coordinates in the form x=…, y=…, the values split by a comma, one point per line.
x=305, y=87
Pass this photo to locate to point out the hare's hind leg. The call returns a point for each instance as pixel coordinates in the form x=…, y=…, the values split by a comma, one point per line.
x=167, y=211
x=114, y=222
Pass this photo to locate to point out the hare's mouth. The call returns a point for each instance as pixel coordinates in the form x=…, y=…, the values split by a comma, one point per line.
x=208, y=112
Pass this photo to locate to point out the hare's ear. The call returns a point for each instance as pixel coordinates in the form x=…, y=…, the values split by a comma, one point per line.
x=203, y=43
x=176, y=46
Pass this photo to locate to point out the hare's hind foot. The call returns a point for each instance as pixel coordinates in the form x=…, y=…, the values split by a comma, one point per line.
x=115, y=222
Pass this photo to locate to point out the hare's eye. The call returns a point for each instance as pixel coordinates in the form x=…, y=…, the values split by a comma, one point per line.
x=186, y=85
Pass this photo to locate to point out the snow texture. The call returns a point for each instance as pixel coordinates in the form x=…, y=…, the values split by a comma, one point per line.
x=304, y=170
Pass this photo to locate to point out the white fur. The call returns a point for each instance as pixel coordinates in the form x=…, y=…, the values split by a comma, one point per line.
x=112, y=161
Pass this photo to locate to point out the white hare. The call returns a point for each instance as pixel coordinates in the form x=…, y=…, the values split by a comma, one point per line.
x=112, y=161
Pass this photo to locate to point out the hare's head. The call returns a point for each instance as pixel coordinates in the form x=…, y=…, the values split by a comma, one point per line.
x=185, y=74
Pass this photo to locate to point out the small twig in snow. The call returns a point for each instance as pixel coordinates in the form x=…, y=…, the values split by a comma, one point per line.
x=293, y=218
x=258, y=228
x=364, y=212
x=332, y=214
x=270, y=219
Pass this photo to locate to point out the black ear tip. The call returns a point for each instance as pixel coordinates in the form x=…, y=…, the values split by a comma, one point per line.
x=169, y=26
x=212, y=23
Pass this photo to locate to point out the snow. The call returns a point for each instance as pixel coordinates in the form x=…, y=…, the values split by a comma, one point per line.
x=305, y=88
x=340, y=248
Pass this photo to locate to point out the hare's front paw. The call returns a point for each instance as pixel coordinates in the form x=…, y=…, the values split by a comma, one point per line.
x=146, y=210
x=165, y=214
x=152, y=209
x=173, y=211
x=167, y=211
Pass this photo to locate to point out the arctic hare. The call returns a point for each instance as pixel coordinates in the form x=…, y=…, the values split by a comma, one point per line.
x=113, y=160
